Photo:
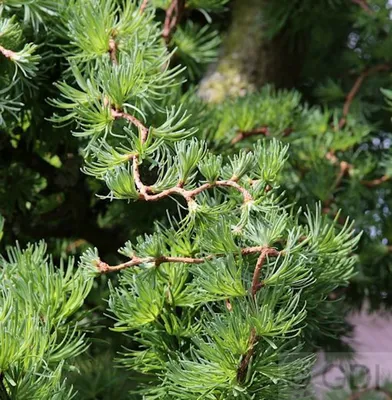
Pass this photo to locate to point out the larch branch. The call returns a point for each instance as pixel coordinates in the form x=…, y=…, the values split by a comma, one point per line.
x=105, y=268
x=188, y=195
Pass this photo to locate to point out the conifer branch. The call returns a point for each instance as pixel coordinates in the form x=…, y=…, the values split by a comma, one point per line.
x=172, y=18
x=356, y=87
x=105, y=268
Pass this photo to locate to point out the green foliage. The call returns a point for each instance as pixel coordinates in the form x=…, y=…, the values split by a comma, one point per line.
x=344, y=166
x=39, y=329
x=99, y=377
x=34, y=12
x=19, y=64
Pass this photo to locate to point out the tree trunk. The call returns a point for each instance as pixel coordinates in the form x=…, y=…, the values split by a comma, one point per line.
x=250, y=57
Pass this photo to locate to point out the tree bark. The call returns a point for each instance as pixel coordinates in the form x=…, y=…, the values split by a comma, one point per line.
x=250, y=57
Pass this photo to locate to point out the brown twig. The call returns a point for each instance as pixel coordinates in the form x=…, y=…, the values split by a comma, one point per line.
x=358, y=395
x=356, y=87
x=172, y=18
x=364, y=5
x=143, y=6
x=376, y=182
x=74, y=245
x=133, y=120
x=188, y=195
x=232, y=183
x=256, y=285
x=243, y=135
x=7, y=53
x=257, y=131
x=113, y=51
x=105, y=268
x=288, y=132
x=344, y=168
x=243, y=368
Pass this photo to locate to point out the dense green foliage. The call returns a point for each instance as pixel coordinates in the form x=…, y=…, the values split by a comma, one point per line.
x=235, y=263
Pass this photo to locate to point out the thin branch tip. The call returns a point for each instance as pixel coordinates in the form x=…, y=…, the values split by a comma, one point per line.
x=7, y=53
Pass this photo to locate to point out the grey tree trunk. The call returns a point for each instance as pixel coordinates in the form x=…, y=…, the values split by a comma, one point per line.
x=250, y=58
